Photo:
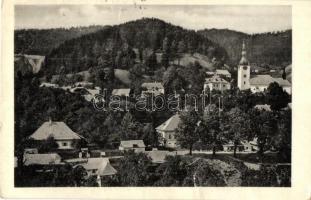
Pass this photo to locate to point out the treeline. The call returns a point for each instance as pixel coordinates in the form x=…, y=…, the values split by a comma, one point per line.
x=42, y=41
x=122, y=45
x=271, y=48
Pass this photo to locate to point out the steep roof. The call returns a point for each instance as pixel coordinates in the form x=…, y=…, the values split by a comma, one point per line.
x=152, y=85
x=171, y=124
x=41, y=159
x=216, y=79
x=121, y=92
x=57, y=130
x=267, y=79
x=102, y=165
x=130, y=143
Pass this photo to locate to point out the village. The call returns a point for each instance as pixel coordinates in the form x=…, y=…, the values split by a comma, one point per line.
x=71, y=148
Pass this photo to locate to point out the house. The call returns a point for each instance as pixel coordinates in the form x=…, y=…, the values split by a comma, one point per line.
x=258, y=83
x=84, y=84
x=229, y=147
x=99, y=167
x=264, y=107
x=223, y=72
x=51, y=85
x=216, y=83
x=62, y=134
x=121, y=92
x=42, y=159
x=88, y=94
x=158, y=157
x=95, y=166
x=136, y=145
x=155, y=88
x=167, y=130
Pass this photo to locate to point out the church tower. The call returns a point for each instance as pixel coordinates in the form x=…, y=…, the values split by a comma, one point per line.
x=244, y=71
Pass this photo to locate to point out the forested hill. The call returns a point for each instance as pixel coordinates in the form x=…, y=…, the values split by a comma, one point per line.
x=265, y=48
x=42, y=41
x=121, y=45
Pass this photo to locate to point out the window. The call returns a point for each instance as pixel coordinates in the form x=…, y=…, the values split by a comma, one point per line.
x=135, y=146
x=244, y=75
x=65, y=144
x=224, y=85
x=94, y=171
x=169, y=136
x=244, y=83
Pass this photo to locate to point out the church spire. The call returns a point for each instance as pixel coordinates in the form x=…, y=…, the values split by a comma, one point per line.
x=243, y=60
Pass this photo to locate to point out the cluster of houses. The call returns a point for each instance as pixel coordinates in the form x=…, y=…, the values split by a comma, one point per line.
x=100, y=165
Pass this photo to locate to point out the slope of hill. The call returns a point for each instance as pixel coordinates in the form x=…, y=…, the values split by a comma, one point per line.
x=264, y=48
x=42, y=41
x=114, y=45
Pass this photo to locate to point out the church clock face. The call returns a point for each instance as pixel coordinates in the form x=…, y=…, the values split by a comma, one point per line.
x=245, y=67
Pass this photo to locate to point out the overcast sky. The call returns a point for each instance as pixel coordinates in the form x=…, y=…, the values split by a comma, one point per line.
x=249, y=19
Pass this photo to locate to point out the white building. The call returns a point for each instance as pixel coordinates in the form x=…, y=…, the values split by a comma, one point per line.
x=258, y=83
x=167, y=130
x=155, y=88
x=216, y=83
x=135, y=145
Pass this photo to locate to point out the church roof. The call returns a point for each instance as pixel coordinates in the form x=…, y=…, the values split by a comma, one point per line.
x=267, y=79
x=171, y=124
x=57, y=130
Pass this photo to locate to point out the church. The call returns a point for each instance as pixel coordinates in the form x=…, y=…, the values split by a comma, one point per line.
x=257, y=83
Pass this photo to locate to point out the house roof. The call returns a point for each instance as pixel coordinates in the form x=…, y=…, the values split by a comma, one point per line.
x=41, y=159
x=102, y=165
x=265, y=107
x=223, y=72
x=159, y=156
x=57, y=130
x=121, y=92
x=171, y=124
x=216, y=79
x=45, y=84
x=267, y=79
x=152, y=85
x=130, y=143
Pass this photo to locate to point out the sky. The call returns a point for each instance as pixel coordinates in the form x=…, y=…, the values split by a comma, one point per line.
x=248, y=19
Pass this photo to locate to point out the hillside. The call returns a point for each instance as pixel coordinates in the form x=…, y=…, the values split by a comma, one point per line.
x=42, y=41
x=264, y=48
x=114, y=46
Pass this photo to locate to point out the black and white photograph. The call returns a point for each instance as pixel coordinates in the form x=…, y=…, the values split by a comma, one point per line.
x=141, y=95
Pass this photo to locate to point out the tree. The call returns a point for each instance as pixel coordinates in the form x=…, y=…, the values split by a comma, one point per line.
x=173, y=171
x=264, y=125
x=187, y=133
x=238, y=127
x=152, y=62
x=213, y=127
x=129, y=127
x=133, y=169
x=180, y=50
x=277, y=97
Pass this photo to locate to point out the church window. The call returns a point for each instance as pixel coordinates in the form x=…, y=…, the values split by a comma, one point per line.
x=244, y=75
x=244, y=83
